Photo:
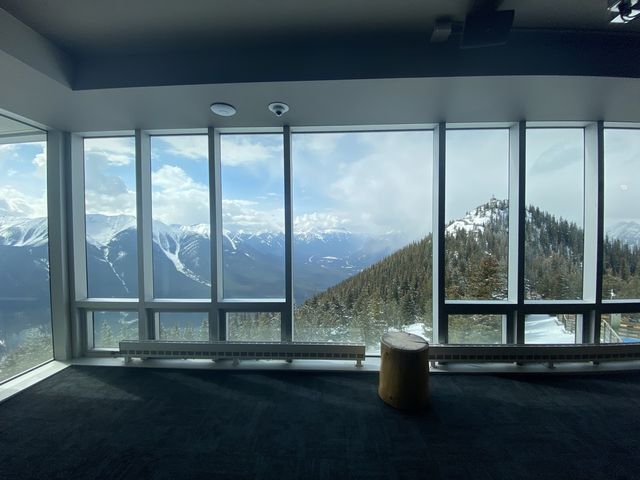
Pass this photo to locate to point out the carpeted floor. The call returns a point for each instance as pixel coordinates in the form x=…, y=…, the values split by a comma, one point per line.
x=115, y=423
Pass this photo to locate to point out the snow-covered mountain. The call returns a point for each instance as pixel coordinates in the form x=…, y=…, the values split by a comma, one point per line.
x=476, y=219
x=253, y=262
x=23, y=232
x=102, y=228
x=627, y=232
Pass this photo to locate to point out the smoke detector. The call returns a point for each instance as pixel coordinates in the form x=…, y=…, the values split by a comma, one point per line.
x=223, y=109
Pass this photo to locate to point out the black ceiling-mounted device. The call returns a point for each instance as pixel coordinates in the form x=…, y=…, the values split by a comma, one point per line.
x=487, y=28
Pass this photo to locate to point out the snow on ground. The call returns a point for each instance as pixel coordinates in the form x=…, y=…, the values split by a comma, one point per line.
x=546, y=329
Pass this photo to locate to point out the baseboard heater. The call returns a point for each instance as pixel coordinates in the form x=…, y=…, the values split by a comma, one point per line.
x=237, y=351
x=534, y=353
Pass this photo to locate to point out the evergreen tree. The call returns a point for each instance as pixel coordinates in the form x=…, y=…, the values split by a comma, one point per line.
x=106, y=336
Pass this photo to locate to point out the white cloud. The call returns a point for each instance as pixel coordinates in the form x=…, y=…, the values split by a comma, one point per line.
x=116, y=151
x=248, y=216
x=477, y=169
x=193, y=147
x=238, y=203
x=8, y=147
x=107, y=194
x=320, y=221
x=555, y=169
x=241, y=150
x=8, y=155
x=622, y=187
x=316, y=144
x=105, y=203
x=15, y=203
x=40, y=162
x=373, y=183
x=178, y=198
x=23, y=192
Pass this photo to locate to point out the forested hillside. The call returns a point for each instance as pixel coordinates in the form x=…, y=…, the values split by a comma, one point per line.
x=397, y=291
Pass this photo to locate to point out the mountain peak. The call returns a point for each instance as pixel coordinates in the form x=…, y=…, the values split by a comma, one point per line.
x=102, y=228
x=627, y=231
x=21, y=232
x=475, y=220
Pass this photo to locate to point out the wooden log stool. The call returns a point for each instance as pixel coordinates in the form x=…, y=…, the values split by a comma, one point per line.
x=404, y=371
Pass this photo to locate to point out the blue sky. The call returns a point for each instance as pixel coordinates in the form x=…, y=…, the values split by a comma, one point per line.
x=180, y=179
x=252, y=182
x=110, y=176
x=356, y=181
x=23, y=179
x=363, y=182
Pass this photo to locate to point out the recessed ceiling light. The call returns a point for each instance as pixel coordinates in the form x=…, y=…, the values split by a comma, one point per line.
x=223, y=109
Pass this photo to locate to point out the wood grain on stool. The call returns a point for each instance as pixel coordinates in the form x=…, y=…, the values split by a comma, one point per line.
x=404, y=371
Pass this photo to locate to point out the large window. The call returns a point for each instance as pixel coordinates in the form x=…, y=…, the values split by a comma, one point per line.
x=476, y=329
x=477, y=214
x=253, y=326
x=554, y=238
x=110, y=206
x=108, y=329
x=550, y=329
x=252, y=177
x=621, y=250
x=183, y=326
x=25, y=312
x=519, y=224
x=620, y=328
x=180, y=206
x=362, y=235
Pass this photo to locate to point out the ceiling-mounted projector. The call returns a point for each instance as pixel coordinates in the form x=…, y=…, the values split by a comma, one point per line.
x=487, y=28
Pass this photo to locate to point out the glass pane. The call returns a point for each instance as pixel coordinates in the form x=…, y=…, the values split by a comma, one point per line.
x=621, y=253
x=362, y=235
x=110, y=203
x=252, y=215
x=184, y=326
x=109, y=328
x=314, y=330
x=560, y=328
x=477, y=214
x=25, y=313
x=554, y=241
x=475, y=329
x=620, y=328
x=180, y=211
x=253, y=326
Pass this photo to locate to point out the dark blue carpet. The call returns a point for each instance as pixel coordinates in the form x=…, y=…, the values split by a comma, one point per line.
x=117, y=423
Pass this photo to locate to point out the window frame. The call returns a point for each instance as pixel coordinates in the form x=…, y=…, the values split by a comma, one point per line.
x=590, y=307
x=35, y=133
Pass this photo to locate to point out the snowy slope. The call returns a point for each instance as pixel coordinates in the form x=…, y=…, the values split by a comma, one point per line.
x=21, y=232
x=626, y=232
x=476, y=219
x=101, y=229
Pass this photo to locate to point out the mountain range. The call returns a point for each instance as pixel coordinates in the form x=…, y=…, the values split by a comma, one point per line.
x=253, y=263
